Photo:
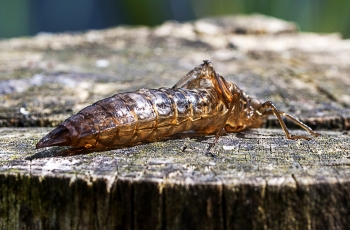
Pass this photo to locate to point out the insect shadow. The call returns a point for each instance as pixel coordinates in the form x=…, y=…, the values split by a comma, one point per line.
x=253, y=134
x=68, y=151
x=56, y=152
x=63, y=151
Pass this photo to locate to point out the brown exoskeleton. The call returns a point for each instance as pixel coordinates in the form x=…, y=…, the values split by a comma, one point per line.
x=202, y=101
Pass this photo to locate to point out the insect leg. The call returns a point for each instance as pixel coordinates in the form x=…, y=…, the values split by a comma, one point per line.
x=268, y=108
x=301, y=124
x=230, y=99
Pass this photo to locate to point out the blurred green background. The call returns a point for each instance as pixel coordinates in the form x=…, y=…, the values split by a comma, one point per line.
x=29, y=17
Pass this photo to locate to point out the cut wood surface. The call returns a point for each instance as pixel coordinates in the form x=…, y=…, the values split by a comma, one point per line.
x=255, y=179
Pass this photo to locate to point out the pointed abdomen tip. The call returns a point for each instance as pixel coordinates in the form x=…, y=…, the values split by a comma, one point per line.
x=57, y=137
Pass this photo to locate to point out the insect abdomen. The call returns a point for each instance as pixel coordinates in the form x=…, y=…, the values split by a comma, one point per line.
x=144, y=115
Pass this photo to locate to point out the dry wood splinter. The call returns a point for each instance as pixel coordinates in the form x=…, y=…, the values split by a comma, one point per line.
x=202, y=101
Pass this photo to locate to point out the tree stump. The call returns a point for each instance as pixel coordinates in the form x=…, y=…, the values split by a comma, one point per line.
x=255, y=179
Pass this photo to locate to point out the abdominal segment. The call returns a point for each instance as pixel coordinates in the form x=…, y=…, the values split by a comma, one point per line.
x=141, y=116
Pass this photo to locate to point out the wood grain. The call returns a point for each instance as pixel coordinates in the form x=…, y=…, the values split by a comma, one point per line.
x=256, y=179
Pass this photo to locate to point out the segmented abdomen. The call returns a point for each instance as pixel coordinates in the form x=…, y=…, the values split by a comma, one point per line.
x=144, y=115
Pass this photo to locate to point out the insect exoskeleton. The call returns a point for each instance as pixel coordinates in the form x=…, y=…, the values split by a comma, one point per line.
x=202, y=101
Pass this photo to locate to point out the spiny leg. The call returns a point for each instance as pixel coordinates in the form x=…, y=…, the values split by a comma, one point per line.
x=217, y=135
x=231, y=100
x=268, y=108
x=301, y=124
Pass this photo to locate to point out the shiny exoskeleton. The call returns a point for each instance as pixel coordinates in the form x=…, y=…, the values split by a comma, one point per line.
x=202, y=101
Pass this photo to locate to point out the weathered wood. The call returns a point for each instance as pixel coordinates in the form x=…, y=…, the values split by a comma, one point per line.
x=255, y=179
